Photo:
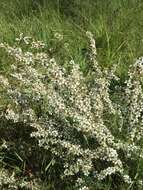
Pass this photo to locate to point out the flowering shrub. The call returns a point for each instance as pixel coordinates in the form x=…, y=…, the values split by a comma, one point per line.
x=91, y=127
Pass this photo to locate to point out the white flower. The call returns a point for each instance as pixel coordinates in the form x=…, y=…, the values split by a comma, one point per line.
x=58, y=36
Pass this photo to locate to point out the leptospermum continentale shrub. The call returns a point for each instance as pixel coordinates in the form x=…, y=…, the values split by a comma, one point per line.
x=91, y=132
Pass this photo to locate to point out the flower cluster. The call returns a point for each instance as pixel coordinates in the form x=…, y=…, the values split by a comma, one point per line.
x=11, y=182
x=71, y=123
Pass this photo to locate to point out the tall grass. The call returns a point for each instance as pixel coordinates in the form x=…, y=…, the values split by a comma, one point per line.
x=116, y=26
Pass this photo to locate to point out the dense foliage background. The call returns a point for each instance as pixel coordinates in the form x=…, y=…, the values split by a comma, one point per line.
x=117, y=25
x=62, y=25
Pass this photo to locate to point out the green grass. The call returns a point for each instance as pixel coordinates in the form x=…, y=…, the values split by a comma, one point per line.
x=117, y=26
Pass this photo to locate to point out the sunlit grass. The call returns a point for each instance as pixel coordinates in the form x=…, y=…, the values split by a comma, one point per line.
x=117, y=27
